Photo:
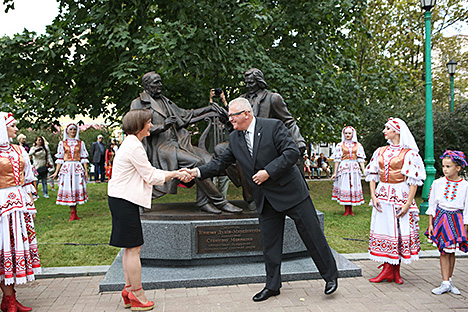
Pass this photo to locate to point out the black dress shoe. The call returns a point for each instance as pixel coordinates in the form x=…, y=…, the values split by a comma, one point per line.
x=331, y=286
x=231, y=208
x=265, y=294
x=210, y=209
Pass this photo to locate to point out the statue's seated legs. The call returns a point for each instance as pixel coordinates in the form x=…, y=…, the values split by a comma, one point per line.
x=209, y=199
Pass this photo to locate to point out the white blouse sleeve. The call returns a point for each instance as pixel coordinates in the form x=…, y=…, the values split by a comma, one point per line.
x=413, y=169
x=431, y=210
x=148, y=173
x=28, y=173
x=60, y=153
x=372, y=168
x=338, y=153
x=361, y=156
x=84, y=153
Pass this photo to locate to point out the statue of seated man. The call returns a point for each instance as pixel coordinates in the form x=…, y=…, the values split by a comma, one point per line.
x=169, y=146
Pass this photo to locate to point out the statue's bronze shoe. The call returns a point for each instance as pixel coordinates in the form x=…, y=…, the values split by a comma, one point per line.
x=210, y=209
x=231, y=208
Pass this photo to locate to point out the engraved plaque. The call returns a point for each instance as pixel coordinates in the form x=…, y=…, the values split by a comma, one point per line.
x=228, y=238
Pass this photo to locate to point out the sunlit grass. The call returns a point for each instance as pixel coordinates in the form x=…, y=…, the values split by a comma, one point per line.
x=63, y=243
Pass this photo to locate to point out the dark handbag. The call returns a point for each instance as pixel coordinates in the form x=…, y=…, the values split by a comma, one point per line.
x=42, y=170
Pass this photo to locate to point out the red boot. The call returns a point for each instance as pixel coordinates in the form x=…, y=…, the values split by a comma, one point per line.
x=351, y=210
x=396, y=271
x=19, y=306
x=76, y=216
x=386, y=274
x=10, y=303
x=72, y=215
x=346, y=211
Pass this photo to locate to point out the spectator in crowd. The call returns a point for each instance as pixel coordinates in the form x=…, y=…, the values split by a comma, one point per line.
x=323, y=165
x=116, y=145
x=110, y=153
x=22, y=142
x=98, y=151
x=307, y=167
x=314, y=167
x=42, y=161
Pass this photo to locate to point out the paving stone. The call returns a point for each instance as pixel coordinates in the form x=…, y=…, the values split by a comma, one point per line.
x=80, y=294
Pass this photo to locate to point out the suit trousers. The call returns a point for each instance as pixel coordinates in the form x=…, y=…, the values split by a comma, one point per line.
x=308, y=227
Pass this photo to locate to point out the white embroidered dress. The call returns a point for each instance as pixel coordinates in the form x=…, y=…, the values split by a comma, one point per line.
x=19, y=258
x=72, y=154
x=394, y=239
x=347, y=188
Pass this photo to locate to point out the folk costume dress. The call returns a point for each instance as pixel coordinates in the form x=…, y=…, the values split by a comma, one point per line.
x=448, y=204
x=347, y=188
x=19, y=258
x=394, y=168
x=71, y=154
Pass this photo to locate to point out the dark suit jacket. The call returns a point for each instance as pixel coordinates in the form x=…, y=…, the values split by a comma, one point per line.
x=273, y=150
x=96, y=153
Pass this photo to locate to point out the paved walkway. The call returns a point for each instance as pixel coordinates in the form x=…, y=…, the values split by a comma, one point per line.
x=77, y=294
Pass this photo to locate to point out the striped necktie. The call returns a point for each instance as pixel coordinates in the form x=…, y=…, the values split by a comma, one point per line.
x=249, y=144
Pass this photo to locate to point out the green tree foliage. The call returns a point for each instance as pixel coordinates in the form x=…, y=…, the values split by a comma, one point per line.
x=336, y=63
x=95, y=52
x=391, y=68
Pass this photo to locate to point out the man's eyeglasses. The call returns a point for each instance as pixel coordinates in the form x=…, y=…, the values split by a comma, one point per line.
x=236, y=114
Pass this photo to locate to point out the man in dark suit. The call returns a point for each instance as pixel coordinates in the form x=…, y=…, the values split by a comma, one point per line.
x=267, y=154
x=98, y=151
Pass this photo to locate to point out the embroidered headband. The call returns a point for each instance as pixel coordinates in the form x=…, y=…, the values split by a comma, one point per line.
x=353, y=137
x=72, y=125
x=456, y=156
x=393, y=123
x=9, y=119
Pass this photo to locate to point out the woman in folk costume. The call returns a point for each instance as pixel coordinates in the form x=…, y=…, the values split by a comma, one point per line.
x=349, y=160
x=19, y=259
x=72, y=170
x=399, y=170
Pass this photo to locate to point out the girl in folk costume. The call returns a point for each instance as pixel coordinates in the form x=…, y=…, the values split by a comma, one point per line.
x=72, y=170
x=348, y=156
x=19, y=256
x=399, y=170
x=448, y=217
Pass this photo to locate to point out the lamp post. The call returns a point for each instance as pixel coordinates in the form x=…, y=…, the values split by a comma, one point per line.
x=452, y=66
x=429, y=161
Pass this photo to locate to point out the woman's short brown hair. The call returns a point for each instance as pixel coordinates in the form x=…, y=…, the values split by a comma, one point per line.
x=134, y=121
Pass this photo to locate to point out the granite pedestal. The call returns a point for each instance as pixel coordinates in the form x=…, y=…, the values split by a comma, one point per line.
x=188, y=248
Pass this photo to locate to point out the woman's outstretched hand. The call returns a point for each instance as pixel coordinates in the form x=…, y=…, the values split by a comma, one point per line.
x=183, y=175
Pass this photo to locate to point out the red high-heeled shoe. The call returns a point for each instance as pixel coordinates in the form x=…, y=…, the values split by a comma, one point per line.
x=137, y=305
x=125, y=293
x=386, y=274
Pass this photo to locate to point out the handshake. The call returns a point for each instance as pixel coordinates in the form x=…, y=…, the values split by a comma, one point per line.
x=184, y=174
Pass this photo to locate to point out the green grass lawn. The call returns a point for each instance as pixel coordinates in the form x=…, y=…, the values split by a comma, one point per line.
x=63, y=243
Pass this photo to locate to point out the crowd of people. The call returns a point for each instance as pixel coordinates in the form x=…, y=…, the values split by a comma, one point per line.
x=267, y=153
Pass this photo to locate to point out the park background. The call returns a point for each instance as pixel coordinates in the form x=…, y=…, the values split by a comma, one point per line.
x=336, y=63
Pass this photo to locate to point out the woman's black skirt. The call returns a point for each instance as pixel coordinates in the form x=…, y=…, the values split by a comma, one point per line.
x=126, y=224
